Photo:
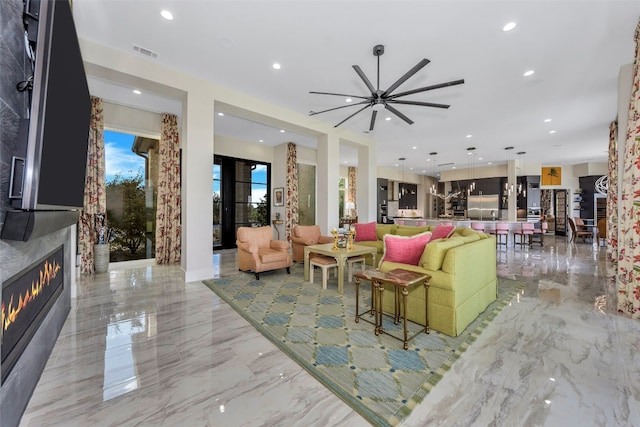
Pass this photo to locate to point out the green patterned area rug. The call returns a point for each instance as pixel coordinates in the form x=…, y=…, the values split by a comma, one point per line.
x=316, y=328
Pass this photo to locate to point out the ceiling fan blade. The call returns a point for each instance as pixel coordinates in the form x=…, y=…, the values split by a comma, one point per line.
x=373, y=120
x=406, y=76
x=366, y=106
x=337, y=108
x=423, y=104
x=340, y=94
x=398, y=113
x=426, y=88
x=365, y=79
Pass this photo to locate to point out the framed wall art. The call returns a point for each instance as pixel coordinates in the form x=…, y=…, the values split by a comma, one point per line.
x=278, y=196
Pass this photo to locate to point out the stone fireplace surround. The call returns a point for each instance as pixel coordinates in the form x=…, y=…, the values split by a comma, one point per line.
x=16, y=391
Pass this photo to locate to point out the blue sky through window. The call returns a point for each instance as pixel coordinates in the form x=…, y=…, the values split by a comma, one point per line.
x=258, y=180
x=119, y=159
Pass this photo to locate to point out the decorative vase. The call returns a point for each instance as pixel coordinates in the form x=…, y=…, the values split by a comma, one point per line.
x=101, y=258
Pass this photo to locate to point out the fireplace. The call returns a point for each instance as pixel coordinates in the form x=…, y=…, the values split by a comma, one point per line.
x=27, y=297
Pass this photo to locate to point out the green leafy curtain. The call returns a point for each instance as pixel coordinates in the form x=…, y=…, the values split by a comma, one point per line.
x=291, y=208
x=95, y=199
x=612, y=197
x=629, y=225
x=168, y=213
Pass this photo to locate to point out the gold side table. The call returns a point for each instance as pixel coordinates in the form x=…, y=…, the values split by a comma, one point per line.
x=401, y=280
x=276, y=223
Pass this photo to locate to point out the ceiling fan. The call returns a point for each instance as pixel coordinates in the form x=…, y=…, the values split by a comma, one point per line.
x=380, y=99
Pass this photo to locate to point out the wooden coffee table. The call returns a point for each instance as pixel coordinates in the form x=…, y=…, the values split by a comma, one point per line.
x=401, y=280
x=340, y=256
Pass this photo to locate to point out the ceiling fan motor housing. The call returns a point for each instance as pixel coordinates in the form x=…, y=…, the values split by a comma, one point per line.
x=378, y=50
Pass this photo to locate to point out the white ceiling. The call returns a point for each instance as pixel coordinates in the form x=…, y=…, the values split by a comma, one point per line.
x=575, y=47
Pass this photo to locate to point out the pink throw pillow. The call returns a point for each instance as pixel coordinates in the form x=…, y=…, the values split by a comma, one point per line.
x=405, y=249
x=442, y=231
x=366, y=232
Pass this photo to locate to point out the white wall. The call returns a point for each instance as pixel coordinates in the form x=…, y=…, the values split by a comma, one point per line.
x=198, y=98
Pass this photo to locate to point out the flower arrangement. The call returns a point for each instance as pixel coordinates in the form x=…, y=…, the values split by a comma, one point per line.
x=103, y=233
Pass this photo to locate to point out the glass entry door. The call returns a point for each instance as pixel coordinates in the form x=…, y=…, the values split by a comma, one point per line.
x=240, y=197
x=561, y=212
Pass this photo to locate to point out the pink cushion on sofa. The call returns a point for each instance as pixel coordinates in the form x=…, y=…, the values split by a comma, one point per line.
x=405, y=249
x=366, y=231
x=442, y=231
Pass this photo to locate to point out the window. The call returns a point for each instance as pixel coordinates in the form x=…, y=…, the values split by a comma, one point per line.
x=217, y=203
x=131, y=174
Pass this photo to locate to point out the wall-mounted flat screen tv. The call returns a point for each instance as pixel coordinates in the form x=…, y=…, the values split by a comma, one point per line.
x=58, y=131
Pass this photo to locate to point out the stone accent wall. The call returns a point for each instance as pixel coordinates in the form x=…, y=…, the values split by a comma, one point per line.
x=16, y=256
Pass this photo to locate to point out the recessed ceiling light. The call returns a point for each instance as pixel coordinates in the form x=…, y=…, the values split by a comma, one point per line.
x=221, y=114
x=453, y=167
x=414, y=147
x=490, y=163
x=348, y=100
x=276, y=66
x=167, y=15
x=479, y=158
x=137, y=92
x=261, y=140
x=410, y=169
x=281, y=130
x=529, y=73
x=388, y=118
x=469, y=136
x=508, y=27
x=552, y=131
x=547, y=120
x=345, y=162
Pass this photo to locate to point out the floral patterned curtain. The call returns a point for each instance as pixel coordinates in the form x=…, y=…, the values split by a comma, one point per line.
x=168, y=214
x=612, y=197
x=291, y=208
x=629, y=225
x=95, y=199
x=352, y=186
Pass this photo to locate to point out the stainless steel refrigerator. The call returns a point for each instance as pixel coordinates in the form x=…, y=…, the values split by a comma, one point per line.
x=484, y=207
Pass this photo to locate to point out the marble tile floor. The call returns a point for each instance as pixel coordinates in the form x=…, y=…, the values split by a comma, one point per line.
x=142, y=348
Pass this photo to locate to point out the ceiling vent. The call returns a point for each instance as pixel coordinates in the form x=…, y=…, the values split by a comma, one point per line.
x=144, y=51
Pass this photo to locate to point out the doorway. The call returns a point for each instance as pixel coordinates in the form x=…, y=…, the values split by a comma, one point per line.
x=241, y=191
x=560, y=206
x=131, y=176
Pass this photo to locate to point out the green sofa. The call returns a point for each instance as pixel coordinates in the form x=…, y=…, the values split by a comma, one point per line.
x=463, y=278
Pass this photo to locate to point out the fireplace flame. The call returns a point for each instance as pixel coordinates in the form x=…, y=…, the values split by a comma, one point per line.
x=48, y=272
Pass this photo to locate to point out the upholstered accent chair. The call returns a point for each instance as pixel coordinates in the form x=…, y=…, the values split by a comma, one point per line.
x=258, y=252
x=306, y=235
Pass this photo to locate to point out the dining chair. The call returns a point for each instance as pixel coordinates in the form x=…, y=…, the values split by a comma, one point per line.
x=583, y=234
